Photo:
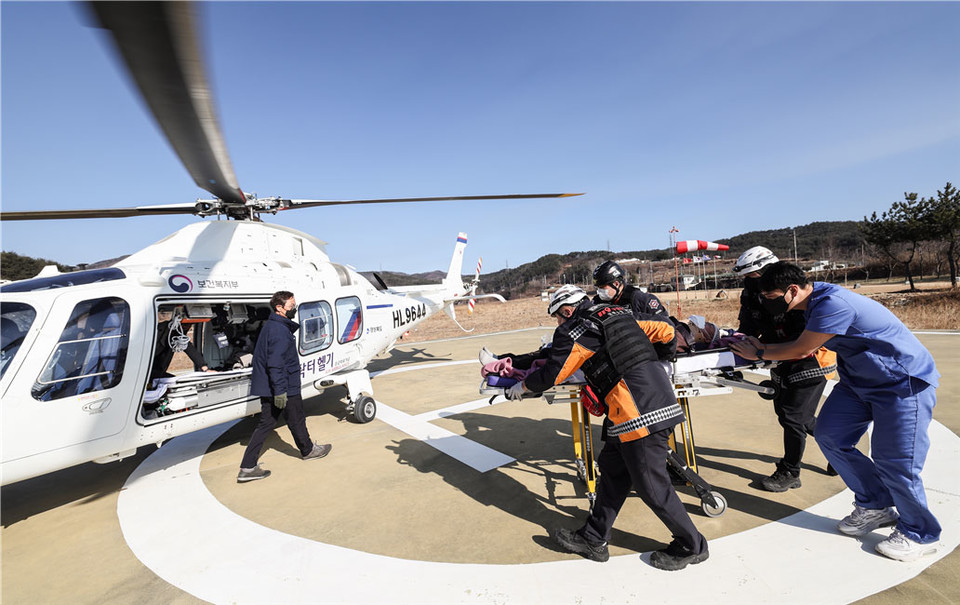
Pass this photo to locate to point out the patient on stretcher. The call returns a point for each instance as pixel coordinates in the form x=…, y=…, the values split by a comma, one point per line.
x=698, y=334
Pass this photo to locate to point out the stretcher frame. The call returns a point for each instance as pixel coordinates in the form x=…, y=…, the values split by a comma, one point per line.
x=694, y=375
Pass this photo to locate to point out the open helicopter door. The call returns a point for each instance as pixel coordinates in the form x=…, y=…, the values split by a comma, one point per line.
x=76, y=387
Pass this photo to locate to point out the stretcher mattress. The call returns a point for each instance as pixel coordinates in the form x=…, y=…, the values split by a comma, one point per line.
x=696, y=374
x=198, y=389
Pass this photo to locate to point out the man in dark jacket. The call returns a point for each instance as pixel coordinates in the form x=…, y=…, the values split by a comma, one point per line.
x=800, y=382
x=612, y=288
x=276, y=379
x=622, y=368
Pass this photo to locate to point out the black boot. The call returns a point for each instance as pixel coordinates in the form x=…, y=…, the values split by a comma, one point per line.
x=675, y=557
x=574, y=542
x=780, y=481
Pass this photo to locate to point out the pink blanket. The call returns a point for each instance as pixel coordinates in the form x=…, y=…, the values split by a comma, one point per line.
x=504, y=367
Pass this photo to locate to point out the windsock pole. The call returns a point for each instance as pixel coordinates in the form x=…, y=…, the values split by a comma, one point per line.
x=692, y=245
x=676, y=268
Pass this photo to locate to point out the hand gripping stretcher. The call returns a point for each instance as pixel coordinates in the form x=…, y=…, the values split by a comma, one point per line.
x=698, y=374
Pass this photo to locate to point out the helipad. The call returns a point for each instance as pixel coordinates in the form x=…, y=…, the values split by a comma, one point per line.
x=446, y=499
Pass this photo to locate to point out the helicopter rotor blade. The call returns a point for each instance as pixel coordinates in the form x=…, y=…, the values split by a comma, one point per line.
x=41, y=215
x=294, y=204
x=159, y=45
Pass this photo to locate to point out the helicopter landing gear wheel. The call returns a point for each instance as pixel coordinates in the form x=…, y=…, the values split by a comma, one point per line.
x=364, y=409
x=714, y=511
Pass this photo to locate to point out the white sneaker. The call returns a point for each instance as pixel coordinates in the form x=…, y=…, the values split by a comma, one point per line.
x=487, y=357
x=862, y=521
x=902, y=548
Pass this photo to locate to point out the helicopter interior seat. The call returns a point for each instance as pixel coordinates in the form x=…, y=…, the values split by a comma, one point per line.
x=12, y=337
x=103, y=360
x=213, y=349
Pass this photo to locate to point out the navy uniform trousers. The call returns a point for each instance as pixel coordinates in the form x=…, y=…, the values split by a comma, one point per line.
x=640, y=464
x=269, y=414
x=801, y=386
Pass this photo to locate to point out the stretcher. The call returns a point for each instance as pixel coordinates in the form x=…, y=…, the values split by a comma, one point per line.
x=194, y=390
x=698, y=374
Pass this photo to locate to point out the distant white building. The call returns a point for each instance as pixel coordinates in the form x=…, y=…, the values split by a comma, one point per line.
x=826, y=265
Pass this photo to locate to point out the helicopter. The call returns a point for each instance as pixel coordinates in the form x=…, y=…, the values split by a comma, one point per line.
x=83, y=373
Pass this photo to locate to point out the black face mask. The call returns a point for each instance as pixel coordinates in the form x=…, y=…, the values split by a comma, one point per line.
x=290, y=313
x=751, y=284
x=775, y=306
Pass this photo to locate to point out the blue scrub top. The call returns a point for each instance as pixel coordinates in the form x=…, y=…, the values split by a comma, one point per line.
x=874, y=349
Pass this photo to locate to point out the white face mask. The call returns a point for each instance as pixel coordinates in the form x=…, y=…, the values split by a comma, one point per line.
x=605, y=294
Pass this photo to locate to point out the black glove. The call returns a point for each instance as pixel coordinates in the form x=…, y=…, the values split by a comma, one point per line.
x=280, y=401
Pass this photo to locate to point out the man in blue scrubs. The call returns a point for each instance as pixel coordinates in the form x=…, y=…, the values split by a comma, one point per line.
x=886, y=377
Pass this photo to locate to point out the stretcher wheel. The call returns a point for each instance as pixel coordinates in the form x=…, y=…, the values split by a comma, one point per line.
x=364, y=409
x=715, y=511
x=768, y=384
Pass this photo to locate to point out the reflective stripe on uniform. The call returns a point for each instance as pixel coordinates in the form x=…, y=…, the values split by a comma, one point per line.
x=645, y=420
x=803, y=375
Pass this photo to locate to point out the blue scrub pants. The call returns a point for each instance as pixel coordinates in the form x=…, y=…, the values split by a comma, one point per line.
x=898, y=450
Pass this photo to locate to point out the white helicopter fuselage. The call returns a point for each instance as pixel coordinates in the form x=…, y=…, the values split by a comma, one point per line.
x=222, y=275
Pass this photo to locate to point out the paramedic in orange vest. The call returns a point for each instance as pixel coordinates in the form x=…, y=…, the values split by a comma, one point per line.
x=621, y=366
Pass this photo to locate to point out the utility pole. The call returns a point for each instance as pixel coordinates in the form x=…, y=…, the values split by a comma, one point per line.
x=796, y=259
x=676, y=269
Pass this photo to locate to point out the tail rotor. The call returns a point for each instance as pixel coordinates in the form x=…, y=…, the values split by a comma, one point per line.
x=473, y=287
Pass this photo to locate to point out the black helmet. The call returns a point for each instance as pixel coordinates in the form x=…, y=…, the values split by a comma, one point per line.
x=607, y=273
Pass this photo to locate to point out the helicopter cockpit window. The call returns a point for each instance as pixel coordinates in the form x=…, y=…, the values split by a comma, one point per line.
x=91, y=352
x=316, y=326
x=15, y=322
x=65, y=280
x=349, y=318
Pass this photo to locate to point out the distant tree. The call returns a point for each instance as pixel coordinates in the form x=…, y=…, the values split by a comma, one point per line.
x=944, y=223
x=898, y=232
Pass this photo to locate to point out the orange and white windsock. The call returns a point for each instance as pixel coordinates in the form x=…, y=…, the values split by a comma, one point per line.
x=692, y=245
x=476, y=280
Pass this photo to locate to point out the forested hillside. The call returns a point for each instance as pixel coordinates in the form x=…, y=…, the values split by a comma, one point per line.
x=15, y=266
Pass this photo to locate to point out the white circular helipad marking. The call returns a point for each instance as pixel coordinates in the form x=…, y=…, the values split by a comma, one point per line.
x=175, y=526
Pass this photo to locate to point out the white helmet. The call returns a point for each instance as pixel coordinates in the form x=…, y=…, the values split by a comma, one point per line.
x=565, y=295
x=754, y=259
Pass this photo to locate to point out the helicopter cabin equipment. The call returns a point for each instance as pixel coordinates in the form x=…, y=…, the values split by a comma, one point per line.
x=78, y=348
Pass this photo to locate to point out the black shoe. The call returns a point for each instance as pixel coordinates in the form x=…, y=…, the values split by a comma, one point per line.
x=318, y=451
x=675, y=558
x=832, y=472
x=780, y=481
x=574, y=542
x=252, y=474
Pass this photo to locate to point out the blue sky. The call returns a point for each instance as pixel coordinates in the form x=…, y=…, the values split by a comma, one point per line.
x=718, y=118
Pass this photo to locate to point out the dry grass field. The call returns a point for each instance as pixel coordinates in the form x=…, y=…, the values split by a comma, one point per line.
x=935, y=307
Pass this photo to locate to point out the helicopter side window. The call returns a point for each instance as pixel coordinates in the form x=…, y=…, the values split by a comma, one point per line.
x=349, y=318
x=91, y=352
x=15, y=322
x=316, y=326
